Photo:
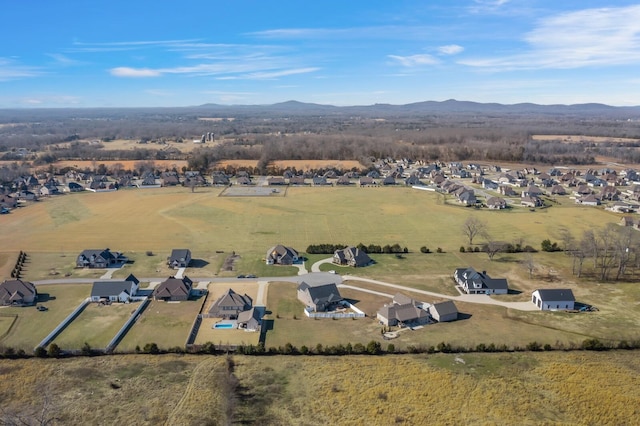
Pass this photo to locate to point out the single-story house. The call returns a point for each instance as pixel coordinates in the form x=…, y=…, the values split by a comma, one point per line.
x=404, y=311
x=115, y=291
x=474, y=282
x=351, y=256
x=17, y=293
x=180, y=258
x=560, y=299
x=250, y=320
x=496, y=203
x=173, y=289
x=281, y=255
x=100, y=258
x=319, y=298
x=230, y=305
x=444, y=311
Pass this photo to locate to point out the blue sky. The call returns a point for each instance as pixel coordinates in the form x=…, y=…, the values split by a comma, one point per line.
x=78, y=53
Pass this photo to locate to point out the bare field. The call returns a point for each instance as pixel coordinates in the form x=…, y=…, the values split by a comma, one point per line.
x=582, y=138
x=524, y=388
x=125, y=164
x=298, y=164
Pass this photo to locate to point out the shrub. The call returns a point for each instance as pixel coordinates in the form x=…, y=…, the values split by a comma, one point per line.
x=391, y=348
x=424, y=249
x=40, y=352
x=151, y=348
x=462, y=250
x=439, y=250
x=54, y=350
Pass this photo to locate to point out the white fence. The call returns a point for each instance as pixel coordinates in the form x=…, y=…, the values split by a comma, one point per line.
x=64, y=323
x=357, y=313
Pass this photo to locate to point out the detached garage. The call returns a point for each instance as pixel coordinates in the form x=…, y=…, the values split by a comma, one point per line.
x=553, y=299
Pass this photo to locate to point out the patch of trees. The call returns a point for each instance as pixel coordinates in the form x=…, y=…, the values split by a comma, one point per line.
x=611, y=253
x=369, y=249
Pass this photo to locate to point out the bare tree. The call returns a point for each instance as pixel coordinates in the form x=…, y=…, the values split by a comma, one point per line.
x=529, y=263
x=492, y=247
x=473, y=227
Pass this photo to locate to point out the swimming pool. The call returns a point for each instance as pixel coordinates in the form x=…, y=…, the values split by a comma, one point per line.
x=223, y=325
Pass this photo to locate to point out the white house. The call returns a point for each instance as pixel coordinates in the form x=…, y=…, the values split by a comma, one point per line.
x=115, y=291
x=474, y=282
x=557, y=299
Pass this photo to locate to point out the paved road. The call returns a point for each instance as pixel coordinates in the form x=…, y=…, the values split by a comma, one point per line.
x=323, y=278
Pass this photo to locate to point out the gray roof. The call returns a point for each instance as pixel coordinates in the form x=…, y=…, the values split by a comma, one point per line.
x=172, y=287
x=327, y=293
x=179, y=254
x=231, y=300
x=445, y=308
x=556, y=295
x=472, y=277
x=16, y=290
x=111, y=288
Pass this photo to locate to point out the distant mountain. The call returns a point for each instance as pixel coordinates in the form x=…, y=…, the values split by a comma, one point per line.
x=450, y=106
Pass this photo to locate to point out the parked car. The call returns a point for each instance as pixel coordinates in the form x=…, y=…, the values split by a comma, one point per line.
x=241, y=276
x=42, y=308
x=251, y=276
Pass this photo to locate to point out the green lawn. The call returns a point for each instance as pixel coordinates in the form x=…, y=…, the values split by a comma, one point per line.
x=32, y=325
x=166, y=324
x=96, y=325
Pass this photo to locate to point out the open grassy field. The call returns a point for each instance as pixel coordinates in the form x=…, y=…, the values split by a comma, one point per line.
x=55, y=230
x=31, y=325
x=298, y=164
x=96, y=325
x=582, y=138
x=206, y=223
x=162, y=323
x=578, y=388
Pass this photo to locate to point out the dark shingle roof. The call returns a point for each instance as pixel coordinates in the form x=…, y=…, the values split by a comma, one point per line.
x=557, y=294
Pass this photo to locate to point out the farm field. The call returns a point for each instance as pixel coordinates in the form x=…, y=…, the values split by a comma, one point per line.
x=31, y=325
x=55, y=230
x=527, y=388
x=582, y=138
x=206, y=223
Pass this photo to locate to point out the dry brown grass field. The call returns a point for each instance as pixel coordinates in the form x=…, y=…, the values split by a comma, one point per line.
x=298, y=164
x=583, y=138
x=166, y=324
x=55, y=230
x=126, y=164
x=578, y=388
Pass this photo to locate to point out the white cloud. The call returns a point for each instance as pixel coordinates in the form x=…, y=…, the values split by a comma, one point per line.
x=134, y=72
x=11, y=70
x=450, y=49
x=279, y=73
x=414, y=60
x=590, y=37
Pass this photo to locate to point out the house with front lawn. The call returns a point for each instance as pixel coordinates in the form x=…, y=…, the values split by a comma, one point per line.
x=402, y=312
x=115, y=291
x=319, y=298
x=100, y=258
x=173, y=289
x=444, y=311
x=474, y=282
x=230, y=305
x=556, y=299
x=281, y=255
x=17, y=293
x=351, y=256
x=180, y=258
